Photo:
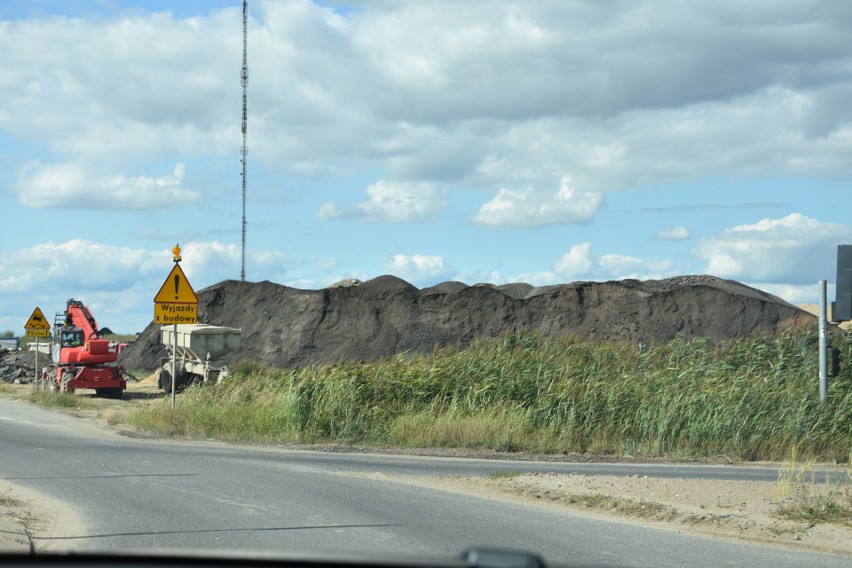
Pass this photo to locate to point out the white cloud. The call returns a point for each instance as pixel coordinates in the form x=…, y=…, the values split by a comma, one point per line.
x=792, y=250
x=531, y=208
x=73, y=265
x=87, y=265
x=619, y=267
x=209, y=262
x=119, y=280
x=544, y=278
x=213, y=261
x=418, y=269
x=576, y=262
x=70, y=186
x=397, y=202
x=579, y=263
x=795, y=294
x=402, y=89
x=678, y=233
x=572, y=265
x=126, y=88
x=650, y=107
x=325, y=279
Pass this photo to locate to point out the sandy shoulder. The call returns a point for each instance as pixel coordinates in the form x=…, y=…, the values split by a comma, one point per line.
x=33, y=521
x=742, y=510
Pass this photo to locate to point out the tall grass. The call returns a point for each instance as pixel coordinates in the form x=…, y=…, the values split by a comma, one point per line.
x=753, y=398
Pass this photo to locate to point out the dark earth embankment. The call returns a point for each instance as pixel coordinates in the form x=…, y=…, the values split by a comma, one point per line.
x=288, y=327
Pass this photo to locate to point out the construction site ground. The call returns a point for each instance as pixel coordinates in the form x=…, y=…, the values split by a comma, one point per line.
x=742, y=510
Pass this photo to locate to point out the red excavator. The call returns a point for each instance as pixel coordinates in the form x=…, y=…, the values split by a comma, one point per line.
x=81, y=359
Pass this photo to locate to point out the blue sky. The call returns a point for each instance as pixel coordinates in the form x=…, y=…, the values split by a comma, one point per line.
x=536, y=141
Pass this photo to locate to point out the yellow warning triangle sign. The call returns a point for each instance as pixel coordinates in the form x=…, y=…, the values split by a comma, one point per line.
x=37, y=321
x=176, y=289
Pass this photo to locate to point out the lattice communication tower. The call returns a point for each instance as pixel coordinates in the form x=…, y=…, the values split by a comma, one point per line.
x=244, y=147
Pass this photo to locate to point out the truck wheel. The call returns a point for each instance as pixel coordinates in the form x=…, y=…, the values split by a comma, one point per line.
x=50, y=377
x=165, y=381
x=66, y=388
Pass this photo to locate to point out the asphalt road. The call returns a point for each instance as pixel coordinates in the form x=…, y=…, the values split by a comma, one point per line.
x=132, y=494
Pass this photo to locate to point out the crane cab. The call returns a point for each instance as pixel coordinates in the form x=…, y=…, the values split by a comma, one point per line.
x=71, y=337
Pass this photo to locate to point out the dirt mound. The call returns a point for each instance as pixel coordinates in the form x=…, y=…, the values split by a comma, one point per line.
x=289, y=327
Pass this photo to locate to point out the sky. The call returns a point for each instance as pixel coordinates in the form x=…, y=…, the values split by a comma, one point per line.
x=543, y=141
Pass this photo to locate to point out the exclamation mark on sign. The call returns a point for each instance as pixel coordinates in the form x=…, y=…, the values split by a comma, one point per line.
x=177, y=285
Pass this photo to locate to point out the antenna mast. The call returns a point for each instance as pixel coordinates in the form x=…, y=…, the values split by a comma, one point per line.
x=244, y=147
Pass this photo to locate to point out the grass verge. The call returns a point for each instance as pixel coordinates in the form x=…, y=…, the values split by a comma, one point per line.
x=505, y=474
x=46, y=398
x=753, y=398
x=49, y=399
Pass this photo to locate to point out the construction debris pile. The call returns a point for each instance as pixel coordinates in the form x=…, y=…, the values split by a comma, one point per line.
x=18, y=367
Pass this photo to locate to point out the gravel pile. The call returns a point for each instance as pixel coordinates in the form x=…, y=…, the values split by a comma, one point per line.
x=364, y=321
x=18, y=366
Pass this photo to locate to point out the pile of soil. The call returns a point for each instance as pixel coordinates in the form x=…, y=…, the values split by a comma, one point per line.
x=354, y=321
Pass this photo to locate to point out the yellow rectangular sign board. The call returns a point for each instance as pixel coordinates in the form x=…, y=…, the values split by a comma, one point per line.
x=38, y=333
x=175, y=313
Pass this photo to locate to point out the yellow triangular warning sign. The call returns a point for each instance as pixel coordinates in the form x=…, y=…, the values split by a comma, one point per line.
x=176, y=289
x=37, y=321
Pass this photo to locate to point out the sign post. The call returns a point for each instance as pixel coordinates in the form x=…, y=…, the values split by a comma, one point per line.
x=37, y=326
x=823, y=343
x=175, y=303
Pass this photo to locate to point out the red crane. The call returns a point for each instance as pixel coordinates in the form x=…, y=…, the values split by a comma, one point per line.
x=81, y=359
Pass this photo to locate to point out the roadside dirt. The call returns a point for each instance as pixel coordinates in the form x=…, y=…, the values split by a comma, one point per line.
x=742, y=510
x=33, y=522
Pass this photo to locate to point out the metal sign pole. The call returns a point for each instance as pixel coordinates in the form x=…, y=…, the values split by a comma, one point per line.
x=175, y=303
x=823, y=355
x=174, y=363
x=36, y=366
